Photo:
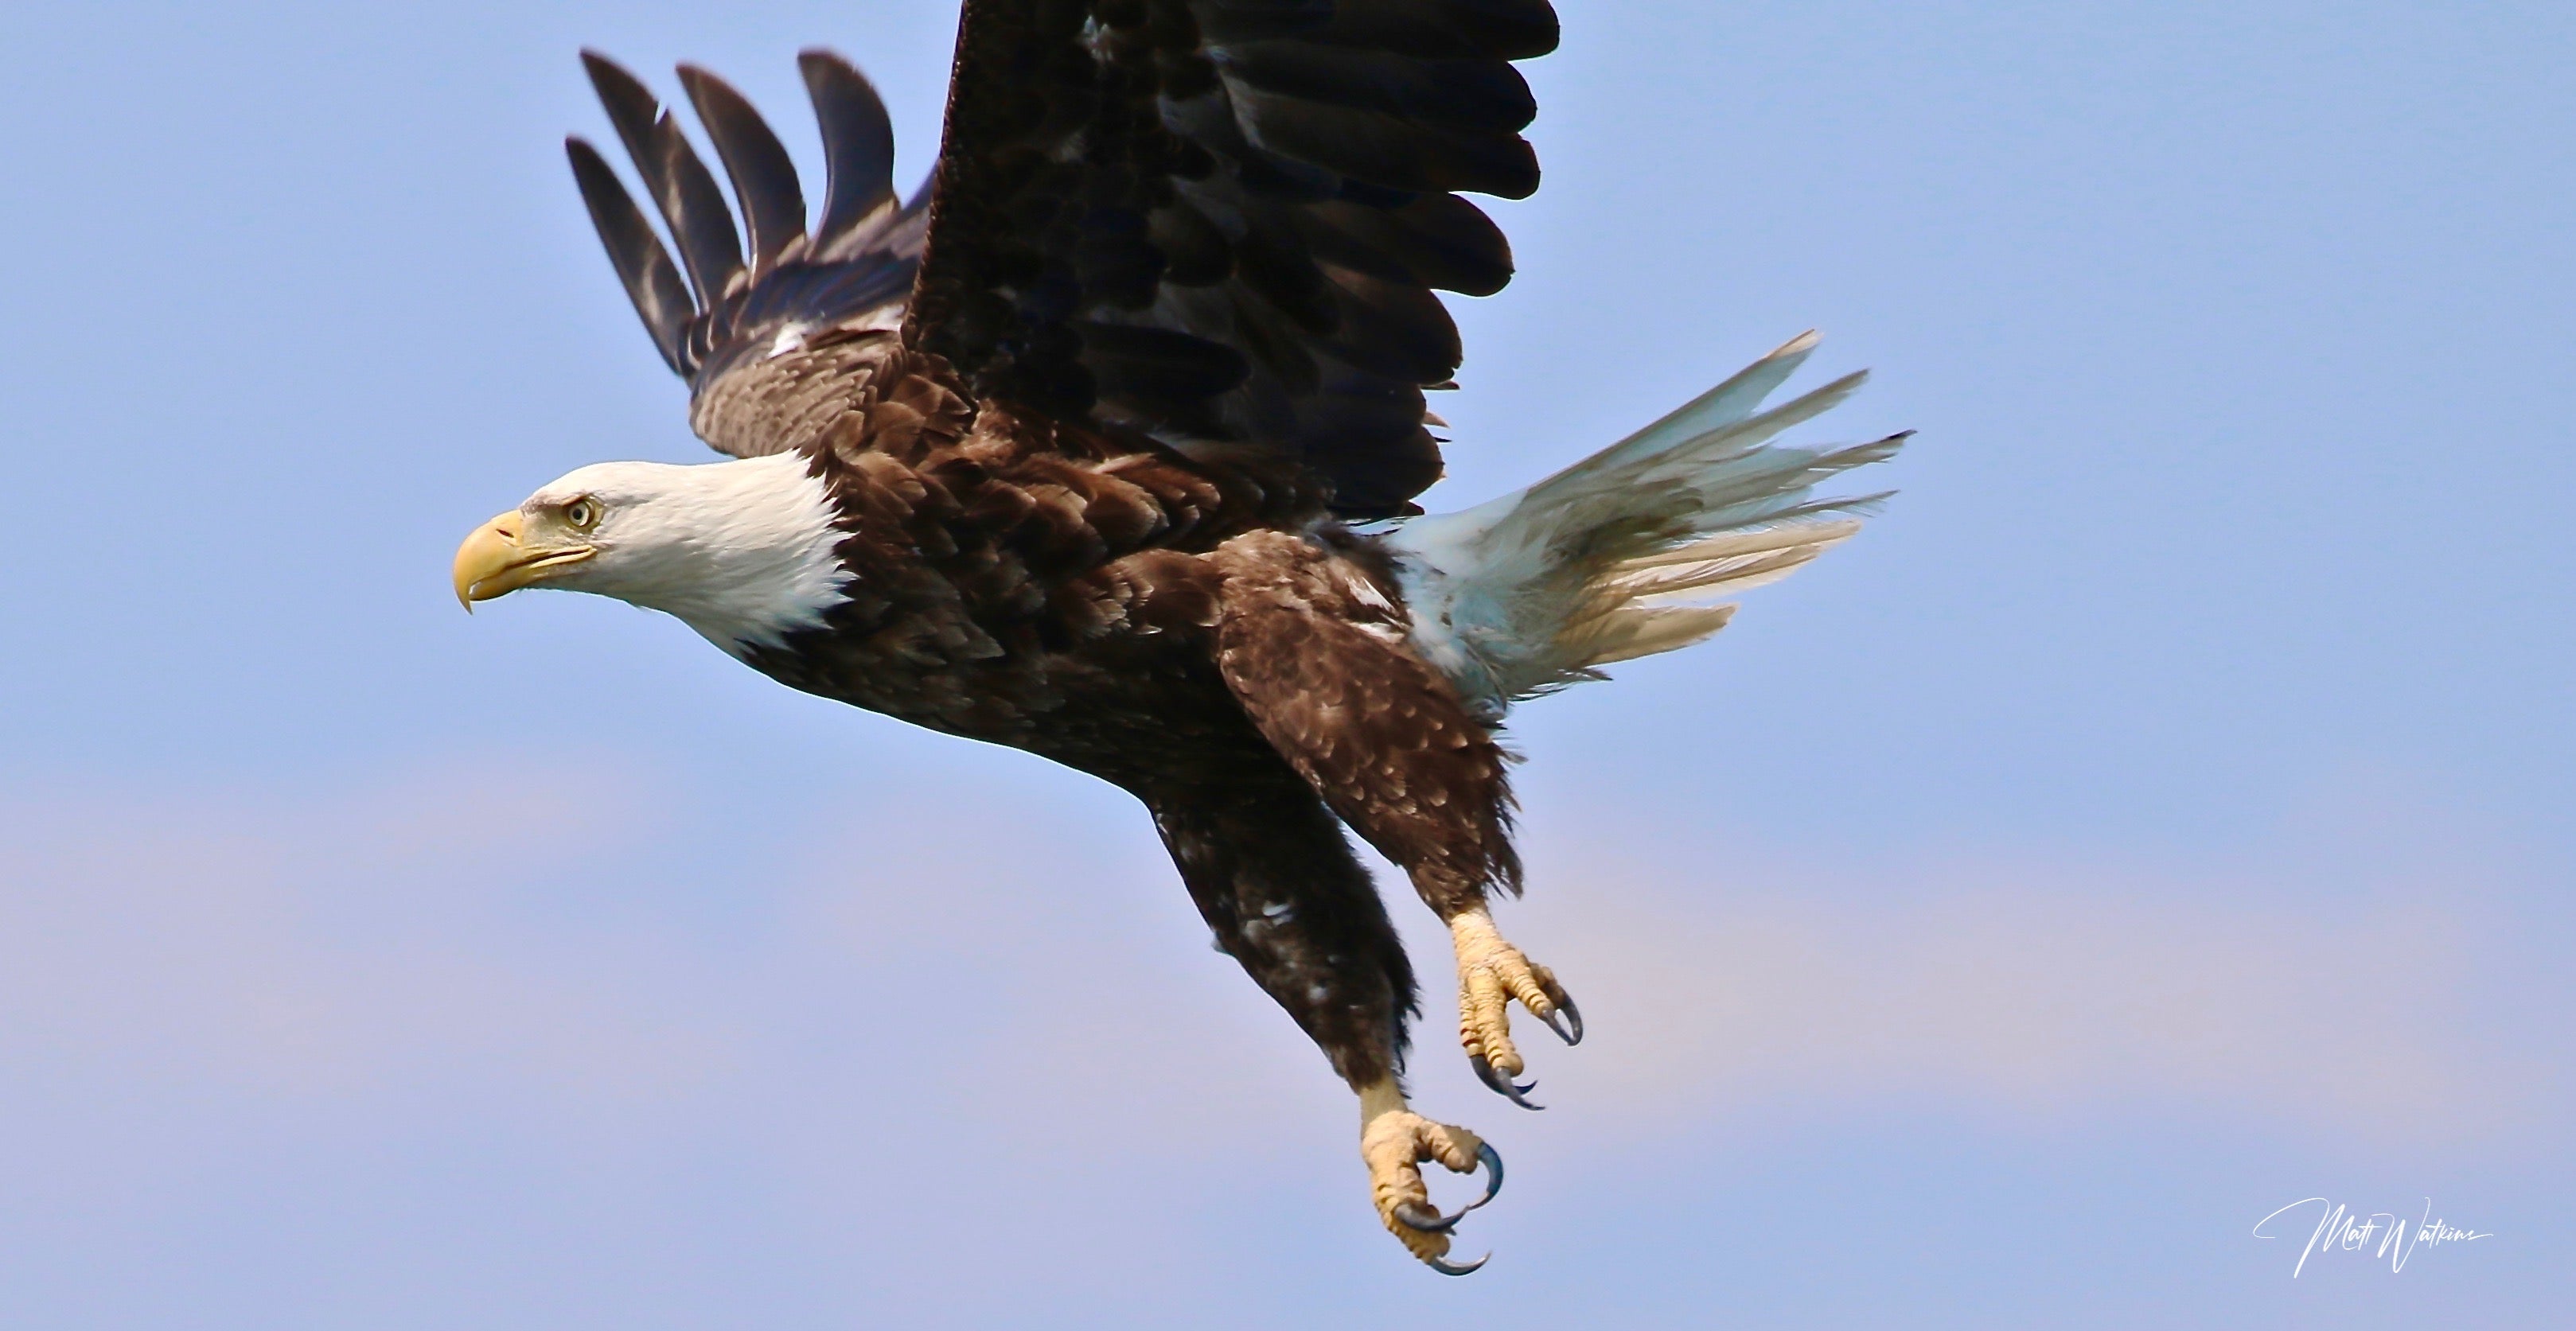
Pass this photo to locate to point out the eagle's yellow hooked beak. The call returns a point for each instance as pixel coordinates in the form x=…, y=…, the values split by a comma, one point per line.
x=496, y=560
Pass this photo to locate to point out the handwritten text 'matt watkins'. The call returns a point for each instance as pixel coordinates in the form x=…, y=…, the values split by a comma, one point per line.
x=2342, y=1229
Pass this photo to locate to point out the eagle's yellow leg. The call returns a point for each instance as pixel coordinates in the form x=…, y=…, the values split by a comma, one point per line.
x=1491, y=975
x=1395, y=1141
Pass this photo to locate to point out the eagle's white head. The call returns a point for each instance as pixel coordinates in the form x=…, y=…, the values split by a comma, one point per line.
x=743, y=552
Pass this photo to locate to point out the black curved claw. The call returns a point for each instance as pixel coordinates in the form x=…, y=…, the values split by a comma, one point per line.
x=1492, y=1160
x=1502, y=1085
x=1415, y=1215
x=1448, y=1268
x=1572, y=1031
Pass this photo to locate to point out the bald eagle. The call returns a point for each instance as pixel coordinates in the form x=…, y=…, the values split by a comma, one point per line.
x=1104, y=446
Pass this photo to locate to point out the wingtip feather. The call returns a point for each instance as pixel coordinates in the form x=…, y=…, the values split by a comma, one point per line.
x=644, y=265
x=858, y=145
x=763, y=175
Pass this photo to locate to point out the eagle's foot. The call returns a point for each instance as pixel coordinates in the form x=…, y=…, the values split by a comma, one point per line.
x=1491, y=974
x=1394, y=1141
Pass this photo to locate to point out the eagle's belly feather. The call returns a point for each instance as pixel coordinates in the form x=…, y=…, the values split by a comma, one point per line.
x=1133, y=703
x=1115, y=671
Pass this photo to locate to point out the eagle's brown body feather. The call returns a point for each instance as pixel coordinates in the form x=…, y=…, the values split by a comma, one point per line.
x=1196, y=631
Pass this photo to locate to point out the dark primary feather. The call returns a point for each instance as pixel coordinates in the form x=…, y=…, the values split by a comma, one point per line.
x=764, y=179
x=858, y=140
x=720, y=328
x=1223, y=220
x=652, y=280
x=692, y=206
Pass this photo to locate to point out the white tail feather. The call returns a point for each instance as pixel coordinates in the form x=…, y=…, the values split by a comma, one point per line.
x=1643, y=631
x=1612, y=558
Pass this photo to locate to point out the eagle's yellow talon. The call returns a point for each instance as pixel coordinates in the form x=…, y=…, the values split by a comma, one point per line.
x=1492, y=974
x=1394, y=1142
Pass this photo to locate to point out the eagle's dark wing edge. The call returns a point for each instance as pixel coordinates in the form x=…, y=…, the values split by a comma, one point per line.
x=854, y=269
x=1224, y=220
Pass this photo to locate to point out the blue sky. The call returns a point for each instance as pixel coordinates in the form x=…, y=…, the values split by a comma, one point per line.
x=2156, y=817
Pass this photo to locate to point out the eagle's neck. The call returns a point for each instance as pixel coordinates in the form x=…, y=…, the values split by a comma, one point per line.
x=745, y=552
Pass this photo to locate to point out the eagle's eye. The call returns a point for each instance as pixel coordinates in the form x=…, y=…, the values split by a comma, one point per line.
x=582, y=513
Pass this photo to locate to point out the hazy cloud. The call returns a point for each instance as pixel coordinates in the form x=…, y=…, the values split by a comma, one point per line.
x=421, y=936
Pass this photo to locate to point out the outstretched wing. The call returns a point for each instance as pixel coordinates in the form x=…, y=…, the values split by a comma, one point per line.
x=723, y=325
x=1224, y=220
